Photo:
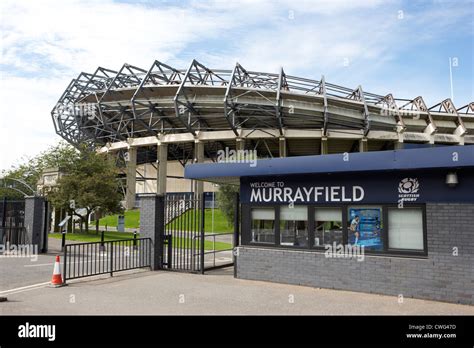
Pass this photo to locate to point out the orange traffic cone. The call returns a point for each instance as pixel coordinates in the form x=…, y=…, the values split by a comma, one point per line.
x=57, y=279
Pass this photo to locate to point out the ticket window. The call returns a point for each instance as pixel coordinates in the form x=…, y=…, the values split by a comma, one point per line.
x=327, y=226
x=294, y=226
x=263, y=225
x=405, y=229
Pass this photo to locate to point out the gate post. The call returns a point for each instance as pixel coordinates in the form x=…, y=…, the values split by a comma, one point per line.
x=236, y=231
x=4, y=219
x=35, y=222
x=46, y=226
x=202, y=200
x=152, y=225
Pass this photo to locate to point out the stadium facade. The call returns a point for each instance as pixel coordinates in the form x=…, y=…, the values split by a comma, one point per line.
x=336, y=166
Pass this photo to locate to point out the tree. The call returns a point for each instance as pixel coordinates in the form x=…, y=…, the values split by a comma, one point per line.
x=91, y=181
x=226, y=199
x=60, y=156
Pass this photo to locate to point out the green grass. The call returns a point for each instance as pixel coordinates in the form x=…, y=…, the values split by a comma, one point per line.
x=185, y=243
x=221, y=224
x=181, y=243
x=92, y=237
x=132, y=220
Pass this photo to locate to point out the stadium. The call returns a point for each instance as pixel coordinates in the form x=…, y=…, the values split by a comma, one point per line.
x=389, y=179
x=161, y=118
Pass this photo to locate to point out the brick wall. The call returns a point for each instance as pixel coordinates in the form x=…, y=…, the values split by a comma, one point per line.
x=442, y=276
x=151, y=218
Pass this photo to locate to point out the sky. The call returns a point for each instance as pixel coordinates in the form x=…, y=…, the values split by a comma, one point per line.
x=398, y=47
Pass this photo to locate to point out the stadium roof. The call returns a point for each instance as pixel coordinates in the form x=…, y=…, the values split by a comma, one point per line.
x=111, y=106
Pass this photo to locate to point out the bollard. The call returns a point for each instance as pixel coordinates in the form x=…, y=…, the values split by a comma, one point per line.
x=135, y=240
x=102, y=246
x=63, y=241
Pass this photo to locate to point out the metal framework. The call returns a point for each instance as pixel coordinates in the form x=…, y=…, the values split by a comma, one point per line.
x=110, y=106
x=12, y=184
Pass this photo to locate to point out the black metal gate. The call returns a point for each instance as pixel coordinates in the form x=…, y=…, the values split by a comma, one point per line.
x=12, y=217
x=96, y=258
x=187, y=246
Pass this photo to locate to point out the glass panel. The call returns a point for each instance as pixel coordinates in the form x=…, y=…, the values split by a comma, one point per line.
x=327, y=226
x=263, y=214
x=263, y=225
x=405, y=228
x=365, y=227
x=294, y=226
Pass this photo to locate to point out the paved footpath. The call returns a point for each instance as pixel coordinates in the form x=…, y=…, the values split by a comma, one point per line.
x=146, y=292
x=17, y=272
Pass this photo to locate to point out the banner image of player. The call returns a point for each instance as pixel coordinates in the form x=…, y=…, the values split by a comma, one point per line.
x=365, y=227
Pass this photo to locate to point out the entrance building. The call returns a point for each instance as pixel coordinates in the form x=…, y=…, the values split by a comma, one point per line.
x=390, y=222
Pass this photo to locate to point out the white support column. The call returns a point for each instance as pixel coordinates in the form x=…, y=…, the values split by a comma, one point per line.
x=282, y=147
x=198, y=158
x=161, y=168
x=131, y=171
x=398, y=145
x=239, y=144
x=324, y=146
x=363, y=145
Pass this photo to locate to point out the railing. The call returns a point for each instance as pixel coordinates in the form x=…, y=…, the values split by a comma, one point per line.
x=90, y=259
x=176, y=207
x=184, y=221
x=13, y=235
x=202, y=253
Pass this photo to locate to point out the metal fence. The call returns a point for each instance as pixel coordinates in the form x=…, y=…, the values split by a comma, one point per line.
x=184, y=223
x=12, y=217
x=95, y=258
x=186, y=245
x=13, y=235
x=226, y=254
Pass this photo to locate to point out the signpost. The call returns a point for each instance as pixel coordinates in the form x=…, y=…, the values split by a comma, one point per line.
x=61, y=225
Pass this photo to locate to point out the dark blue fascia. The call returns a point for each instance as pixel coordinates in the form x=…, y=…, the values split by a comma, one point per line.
x=413, y=159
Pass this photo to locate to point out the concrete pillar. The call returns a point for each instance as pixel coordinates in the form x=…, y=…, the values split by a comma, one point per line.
x=35, y=223
x=398, y=145
x=240, y=144
x=162, y=168
x=363, y=145
x=198, y=158
x=152, y=215
x=324, y=146
x=131, y=172
x=282, y=147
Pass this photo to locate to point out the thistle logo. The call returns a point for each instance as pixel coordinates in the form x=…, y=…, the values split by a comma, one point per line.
x=408, y=190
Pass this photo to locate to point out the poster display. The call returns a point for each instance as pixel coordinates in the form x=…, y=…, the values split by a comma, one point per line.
x=365, y=227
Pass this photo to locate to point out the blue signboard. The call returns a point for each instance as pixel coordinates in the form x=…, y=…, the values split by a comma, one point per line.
x=387, y=187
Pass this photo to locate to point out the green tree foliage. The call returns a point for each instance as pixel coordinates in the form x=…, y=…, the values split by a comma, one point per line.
x=29, y=170
x=226, y=199
x=91, y=182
